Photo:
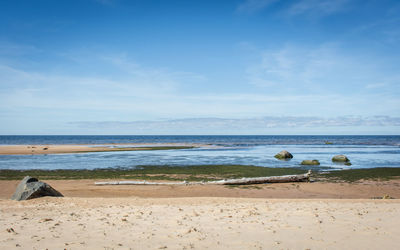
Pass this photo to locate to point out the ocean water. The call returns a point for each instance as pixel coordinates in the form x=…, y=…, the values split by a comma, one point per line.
x=363, y=151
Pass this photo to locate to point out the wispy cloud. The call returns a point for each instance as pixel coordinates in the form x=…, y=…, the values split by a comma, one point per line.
x=242, y=125
x=375, y=85
x=105, y=2
x=317, y=7
x=250, y=6
x=300, y=69
x=13, y=49
x=146, y=93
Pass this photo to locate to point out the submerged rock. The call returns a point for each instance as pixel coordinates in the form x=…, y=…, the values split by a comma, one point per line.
x=340, y=158
x=310, y=162
x=30, y=188
x=283, y=155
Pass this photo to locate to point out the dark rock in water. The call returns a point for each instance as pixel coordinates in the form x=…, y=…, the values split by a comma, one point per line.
x=340, y=158
x=283, y=155
x=310, y=162
x=30, y=188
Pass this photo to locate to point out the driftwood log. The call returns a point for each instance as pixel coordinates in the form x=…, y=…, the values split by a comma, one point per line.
x=242, y=181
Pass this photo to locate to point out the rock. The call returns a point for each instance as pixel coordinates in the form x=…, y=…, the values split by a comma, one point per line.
x=283, y=155
x=30, y=188
x=340, y=158
x=310, y=162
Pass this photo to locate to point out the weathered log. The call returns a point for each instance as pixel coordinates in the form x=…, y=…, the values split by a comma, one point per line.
x=242, y=181
x=261, y=180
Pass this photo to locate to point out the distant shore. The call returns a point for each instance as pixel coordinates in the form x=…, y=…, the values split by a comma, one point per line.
x=86, y=148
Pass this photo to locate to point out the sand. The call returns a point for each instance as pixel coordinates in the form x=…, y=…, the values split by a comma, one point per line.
x=201, y=217
x=199, y=223
x=62, y=149
x=315, y=190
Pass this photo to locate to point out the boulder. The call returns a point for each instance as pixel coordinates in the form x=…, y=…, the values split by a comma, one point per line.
x=30, y=188
x=340, y=158
x=310, y=162
x=283, y=155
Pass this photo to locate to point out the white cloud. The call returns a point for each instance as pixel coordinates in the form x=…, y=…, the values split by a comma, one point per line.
x=124, y=90
x=154, y=94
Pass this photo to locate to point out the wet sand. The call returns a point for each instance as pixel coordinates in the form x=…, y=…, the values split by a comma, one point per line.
x=314, y=190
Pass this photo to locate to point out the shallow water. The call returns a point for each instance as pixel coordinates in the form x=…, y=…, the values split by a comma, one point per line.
x=363, y=151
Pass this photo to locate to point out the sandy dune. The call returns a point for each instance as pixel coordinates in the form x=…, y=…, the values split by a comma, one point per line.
x=199, y=223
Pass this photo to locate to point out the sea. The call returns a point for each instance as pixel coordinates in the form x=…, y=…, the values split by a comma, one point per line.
x=258, y=150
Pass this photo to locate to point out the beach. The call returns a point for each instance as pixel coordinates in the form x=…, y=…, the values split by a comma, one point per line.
x=278, y=216
x=353, y=208
x=199, y=223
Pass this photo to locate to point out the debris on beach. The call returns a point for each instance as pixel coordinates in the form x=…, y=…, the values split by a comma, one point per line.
x=242, y=181
x=30, y=188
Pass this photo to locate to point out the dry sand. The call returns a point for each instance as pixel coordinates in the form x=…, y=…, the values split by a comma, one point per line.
x=213, y=217
x=199, y=223
x=62, y=149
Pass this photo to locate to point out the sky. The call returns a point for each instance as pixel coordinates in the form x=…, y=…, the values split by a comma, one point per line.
x=199, y=67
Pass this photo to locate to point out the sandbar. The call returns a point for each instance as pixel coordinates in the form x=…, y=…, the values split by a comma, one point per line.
x=63, y=149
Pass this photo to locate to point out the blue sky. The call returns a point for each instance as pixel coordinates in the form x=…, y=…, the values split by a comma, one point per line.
x=200, y=67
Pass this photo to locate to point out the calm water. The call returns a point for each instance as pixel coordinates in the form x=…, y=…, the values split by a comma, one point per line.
x=363, y=151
